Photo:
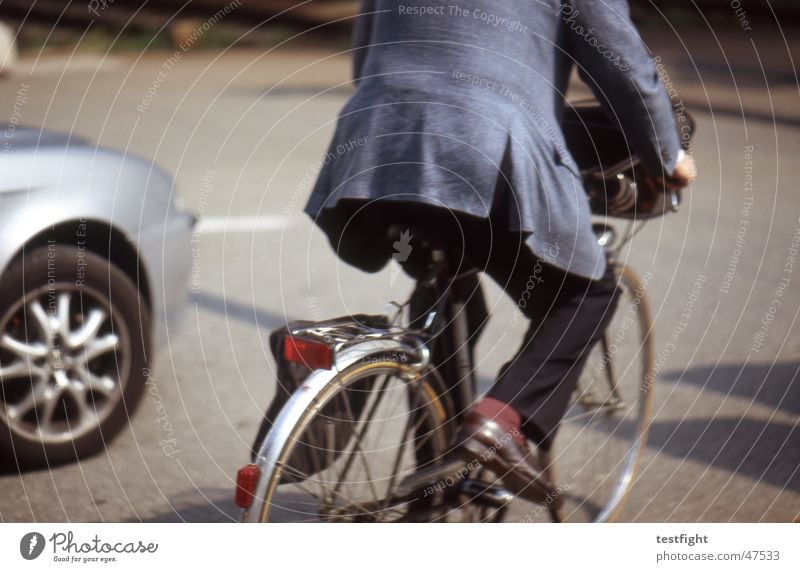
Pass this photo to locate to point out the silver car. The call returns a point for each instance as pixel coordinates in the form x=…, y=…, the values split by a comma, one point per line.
x=94, y=261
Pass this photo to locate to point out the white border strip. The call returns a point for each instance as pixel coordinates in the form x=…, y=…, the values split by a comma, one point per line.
x=398, y=548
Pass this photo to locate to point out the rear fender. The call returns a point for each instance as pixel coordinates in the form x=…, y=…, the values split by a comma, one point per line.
x=307, y=397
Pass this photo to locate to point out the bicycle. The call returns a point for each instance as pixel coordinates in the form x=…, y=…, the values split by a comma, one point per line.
x=372, y=403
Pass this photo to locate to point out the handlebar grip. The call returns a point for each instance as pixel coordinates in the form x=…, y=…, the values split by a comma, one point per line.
x=622, y=196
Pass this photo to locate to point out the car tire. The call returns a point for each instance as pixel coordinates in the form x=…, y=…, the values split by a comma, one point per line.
x=74, y=345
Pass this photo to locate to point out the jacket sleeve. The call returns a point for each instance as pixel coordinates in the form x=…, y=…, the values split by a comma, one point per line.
x=614, y=62
x=362, y=34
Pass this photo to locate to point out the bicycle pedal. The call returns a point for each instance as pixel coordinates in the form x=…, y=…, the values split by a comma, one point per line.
x=481, y=492
x=439, y=476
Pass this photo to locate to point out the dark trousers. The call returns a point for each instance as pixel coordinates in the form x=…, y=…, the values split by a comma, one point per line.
x=566, y=314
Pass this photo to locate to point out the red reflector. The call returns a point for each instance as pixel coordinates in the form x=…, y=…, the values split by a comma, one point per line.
x=311, y=353
x=246, y=482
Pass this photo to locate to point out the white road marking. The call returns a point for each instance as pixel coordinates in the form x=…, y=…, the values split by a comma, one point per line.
x=249, y=224
x=78, y=63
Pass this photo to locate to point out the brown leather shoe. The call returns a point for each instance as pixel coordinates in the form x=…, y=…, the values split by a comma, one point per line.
x=483, y=441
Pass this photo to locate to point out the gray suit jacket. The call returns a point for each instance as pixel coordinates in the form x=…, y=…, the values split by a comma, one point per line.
x=456, y=102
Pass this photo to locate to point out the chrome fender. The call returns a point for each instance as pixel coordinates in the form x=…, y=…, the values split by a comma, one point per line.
x=300, y=402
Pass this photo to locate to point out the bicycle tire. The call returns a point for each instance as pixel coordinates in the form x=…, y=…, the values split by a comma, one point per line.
x=595, y=488
x=436, y=432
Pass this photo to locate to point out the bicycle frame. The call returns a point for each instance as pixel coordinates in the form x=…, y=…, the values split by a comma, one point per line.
x=446, y=326
x=446, y=330
x=437, y=337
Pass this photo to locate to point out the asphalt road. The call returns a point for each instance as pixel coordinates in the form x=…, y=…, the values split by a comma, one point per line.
x=243, y=132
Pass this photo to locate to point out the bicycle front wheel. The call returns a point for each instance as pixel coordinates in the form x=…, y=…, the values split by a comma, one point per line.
x=604, y=431
x=371, y=426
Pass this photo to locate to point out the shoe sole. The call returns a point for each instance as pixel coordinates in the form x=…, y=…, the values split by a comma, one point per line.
x=473, y=451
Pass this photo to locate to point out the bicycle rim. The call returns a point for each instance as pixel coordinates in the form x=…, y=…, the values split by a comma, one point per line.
x=604, y=431
x=370, y=427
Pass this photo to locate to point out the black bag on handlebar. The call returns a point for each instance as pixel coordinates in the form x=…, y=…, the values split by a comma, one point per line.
x=613, y=176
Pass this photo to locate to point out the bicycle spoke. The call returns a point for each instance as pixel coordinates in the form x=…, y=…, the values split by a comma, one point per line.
x=603, y=433
x=330, y=443
x=390, y=413
x=306, y=478
x=418, y=444
x=352, y=437
x=404, y=440
x=373, y=408
x=363, y=456
x=610, y=377
x=310, y=445
x=593, y=411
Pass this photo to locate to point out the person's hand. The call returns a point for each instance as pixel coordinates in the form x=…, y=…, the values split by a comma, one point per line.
x=685, y=173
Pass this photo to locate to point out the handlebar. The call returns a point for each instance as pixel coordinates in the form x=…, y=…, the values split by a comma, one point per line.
x=630, y=193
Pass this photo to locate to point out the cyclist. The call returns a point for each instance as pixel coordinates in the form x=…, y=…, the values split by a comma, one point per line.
x=455, y=127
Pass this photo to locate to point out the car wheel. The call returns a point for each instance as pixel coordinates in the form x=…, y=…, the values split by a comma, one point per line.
x=74, y=341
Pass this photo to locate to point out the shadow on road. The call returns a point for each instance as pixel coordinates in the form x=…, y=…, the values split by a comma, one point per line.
x=238, y=311
x=775, y=385
x=200, y=505
x=765, y=452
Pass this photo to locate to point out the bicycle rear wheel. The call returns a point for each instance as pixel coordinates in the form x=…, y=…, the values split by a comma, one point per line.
x=604, y=431
x=370, y=427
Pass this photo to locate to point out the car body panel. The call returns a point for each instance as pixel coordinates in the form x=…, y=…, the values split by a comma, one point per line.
x=49, y=179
